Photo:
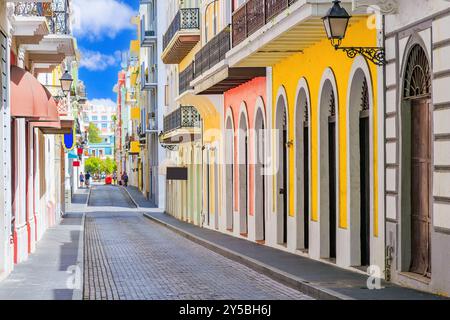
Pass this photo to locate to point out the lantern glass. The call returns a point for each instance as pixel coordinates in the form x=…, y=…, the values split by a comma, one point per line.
x=336, y=22
x=66, y=82
x=336, y=27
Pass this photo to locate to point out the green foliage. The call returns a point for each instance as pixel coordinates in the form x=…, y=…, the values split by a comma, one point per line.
x=92, y=165
x=108, y=166
x=97, y=165
x=94, y=134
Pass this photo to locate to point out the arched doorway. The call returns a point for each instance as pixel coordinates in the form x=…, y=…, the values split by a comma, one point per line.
x=359, y=143
x=281, y=190
x=302, y=168
x=417, y=159
x=243, y=174
x=229, y=171
x=327, y=169
x=260, y=183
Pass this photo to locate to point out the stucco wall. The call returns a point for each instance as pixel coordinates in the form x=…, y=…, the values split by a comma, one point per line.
x=246, y=94
x=311, y=65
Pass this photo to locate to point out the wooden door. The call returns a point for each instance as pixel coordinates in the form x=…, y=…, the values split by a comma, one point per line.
x=306, y=184
x=420, y=186
x=332, y=183
x=364, y=155
x=284, y=184
x=246, y=183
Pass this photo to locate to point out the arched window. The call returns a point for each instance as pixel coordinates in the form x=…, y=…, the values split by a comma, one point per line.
x=417, y=75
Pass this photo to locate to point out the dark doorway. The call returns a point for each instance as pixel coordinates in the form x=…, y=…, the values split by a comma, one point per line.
x=259, y=183
x=332, y=182
x=306, y=182
x=365, y=187
x=263, y=179
x=246, y=184
x=420, y=187
x=283, y=190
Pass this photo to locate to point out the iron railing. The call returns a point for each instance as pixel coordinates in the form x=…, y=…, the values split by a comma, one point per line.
x=185, y=78
x=183, y=117
x=213, y=52
x=185, y=19
x=56, y=12
x=254, y=14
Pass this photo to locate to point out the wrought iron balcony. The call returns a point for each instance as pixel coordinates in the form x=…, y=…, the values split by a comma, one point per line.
x=221, y=77
x=213, y=52
x=185, y=78
x=182, y=35
x=56, y=13
x=183, y=117
x=254, y=14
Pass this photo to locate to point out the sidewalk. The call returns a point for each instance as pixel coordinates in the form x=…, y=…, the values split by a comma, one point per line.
x=57, y=261
x=139, y=198
x=317, y=279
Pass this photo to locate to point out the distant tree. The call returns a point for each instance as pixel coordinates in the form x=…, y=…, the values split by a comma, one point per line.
x=94, y=134
x=108, y=166
x=92, y=165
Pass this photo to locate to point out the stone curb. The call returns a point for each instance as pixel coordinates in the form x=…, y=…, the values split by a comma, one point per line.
x=132, y=199
x=78, y=293
x=287, y=279
x=89, y=196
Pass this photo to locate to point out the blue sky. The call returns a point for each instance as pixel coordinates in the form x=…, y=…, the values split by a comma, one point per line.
x=103, y=30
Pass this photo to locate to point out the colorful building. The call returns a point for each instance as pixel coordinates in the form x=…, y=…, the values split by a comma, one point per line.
x=36, y=118
x=103, y=117
x=291, y=134
x=303, y=142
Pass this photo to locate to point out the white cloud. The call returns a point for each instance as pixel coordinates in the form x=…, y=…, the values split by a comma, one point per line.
x=97, y=61
x=95, y=19
x=102, y=103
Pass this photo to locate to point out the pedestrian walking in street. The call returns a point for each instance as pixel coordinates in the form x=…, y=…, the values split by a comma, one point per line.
x=81, y=180
x=115, y=177
x=125, y=179
x=87, y=178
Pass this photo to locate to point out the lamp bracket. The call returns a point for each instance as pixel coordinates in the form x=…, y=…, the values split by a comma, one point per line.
x=375, y=54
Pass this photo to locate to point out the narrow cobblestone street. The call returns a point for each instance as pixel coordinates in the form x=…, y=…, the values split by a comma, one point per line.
x=130, y=257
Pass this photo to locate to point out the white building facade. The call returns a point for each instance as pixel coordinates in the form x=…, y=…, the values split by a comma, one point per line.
x=417, y=42
x=153, y=77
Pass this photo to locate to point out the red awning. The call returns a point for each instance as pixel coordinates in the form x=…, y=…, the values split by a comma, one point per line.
x=28, y=97
x=52, y=108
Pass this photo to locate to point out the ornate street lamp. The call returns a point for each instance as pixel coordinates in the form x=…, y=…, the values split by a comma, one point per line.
x=66, y=82
x=336, y=23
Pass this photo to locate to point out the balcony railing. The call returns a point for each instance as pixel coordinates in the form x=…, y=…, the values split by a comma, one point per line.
x=213, y=52
x=185, y=19
x=56, y=13
x=185, y=78
x=254, y=14
x=183, y=117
